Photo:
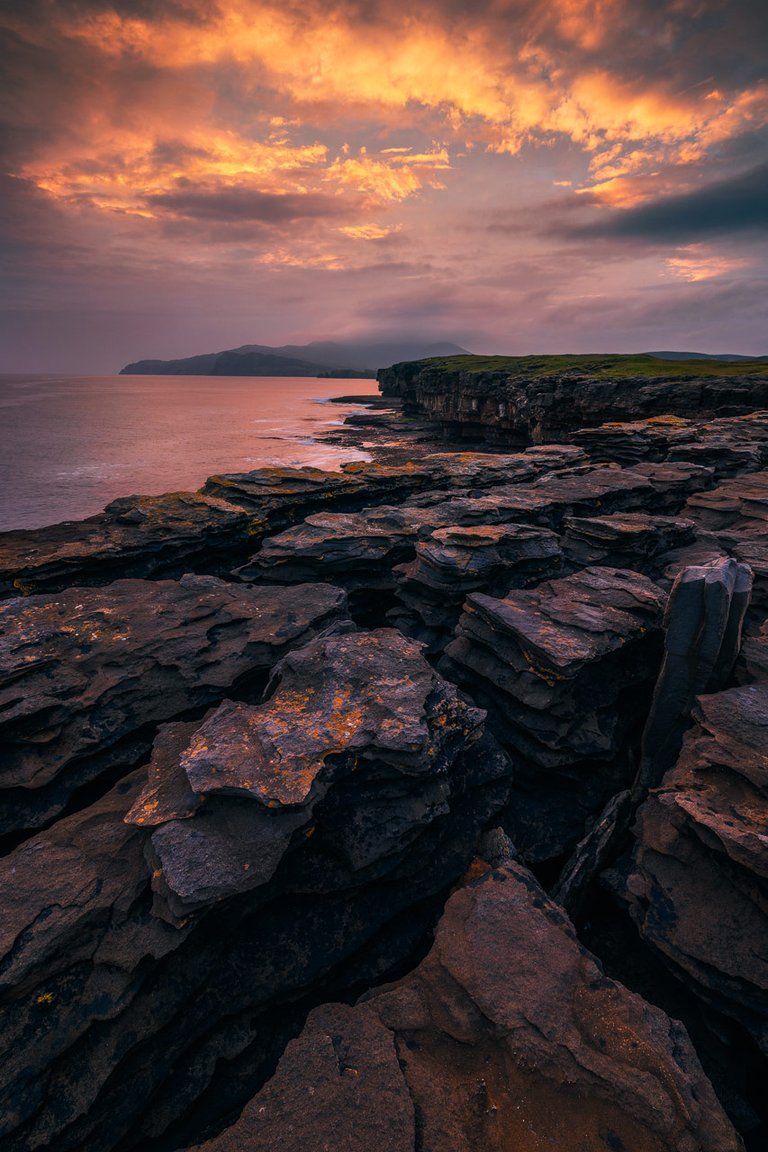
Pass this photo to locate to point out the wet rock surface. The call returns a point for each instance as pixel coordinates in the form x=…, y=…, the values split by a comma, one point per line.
x=235, y=802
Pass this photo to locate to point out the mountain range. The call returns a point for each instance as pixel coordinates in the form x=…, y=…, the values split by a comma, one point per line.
x=320, y=358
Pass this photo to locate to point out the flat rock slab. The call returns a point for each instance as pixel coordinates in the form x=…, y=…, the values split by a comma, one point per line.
x=507, y=1035
x=625, y=539
x=554, y=630
x=135, y=536
x=87, y=674
x=697, y=884
x=364, y=702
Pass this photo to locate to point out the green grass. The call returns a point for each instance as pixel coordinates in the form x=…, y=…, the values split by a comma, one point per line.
x=601, y=367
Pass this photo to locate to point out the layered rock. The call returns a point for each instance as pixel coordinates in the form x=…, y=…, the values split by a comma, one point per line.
x=265, y=492
x=178, y=532
x=490, y=1045
x=634, y=540
x=728, y=445
x=87, y=674
x=697, y=881
x=457, y=560
x=137, y=536
x=734, y=519
x=736, y=508
x=561, y=668
x=357, y=550
x=634, y=441
x=287, y=845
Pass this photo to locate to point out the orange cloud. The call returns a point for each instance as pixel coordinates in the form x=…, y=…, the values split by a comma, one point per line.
x=447, y=77
x=700, y=264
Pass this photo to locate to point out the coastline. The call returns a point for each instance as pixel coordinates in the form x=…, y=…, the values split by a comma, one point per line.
x=71, y=444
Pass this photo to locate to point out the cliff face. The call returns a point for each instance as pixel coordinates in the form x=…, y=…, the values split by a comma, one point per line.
x=521, y=401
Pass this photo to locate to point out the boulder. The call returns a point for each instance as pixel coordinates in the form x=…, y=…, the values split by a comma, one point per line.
x=253, y=775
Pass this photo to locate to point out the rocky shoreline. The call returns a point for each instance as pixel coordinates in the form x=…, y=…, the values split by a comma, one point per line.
x=418, y=806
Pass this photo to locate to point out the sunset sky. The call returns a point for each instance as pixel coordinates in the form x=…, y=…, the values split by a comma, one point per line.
x=181, y=176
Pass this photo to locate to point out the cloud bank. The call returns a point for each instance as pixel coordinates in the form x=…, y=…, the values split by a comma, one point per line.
x=233, y=170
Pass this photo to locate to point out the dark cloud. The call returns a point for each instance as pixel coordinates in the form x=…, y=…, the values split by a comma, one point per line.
x=240, y=205
x=736, y=205
x=33, y=11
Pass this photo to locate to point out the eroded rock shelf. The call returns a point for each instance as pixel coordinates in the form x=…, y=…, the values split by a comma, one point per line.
x=303, y=775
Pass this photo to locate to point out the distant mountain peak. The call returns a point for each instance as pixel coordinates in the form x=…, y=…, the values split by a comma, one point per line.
x=320, y=357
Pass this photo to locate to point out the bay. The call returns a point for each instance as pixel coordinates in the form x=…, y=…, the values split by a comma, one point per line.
x=70, y=444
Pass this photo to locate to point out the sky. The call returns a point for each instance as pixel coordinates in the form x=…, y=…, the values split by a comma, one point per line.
x=517, y=176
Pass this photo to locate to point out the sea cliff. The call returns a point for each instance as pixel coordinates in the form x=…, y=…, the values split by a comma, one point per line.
x=537, y=399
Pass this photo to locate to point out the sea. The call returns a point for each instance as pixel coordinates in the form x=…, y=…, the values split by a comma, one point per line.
x=70, y=444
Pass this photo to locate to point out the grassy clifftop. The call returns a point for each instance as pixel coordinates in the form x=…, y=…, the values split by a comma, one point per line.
x=614, y=367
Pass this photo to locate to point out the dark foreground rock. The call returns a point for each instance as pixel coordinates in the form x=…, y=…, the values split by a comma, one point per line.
x=490, y=1045
x=87, y=674
x=153, y=945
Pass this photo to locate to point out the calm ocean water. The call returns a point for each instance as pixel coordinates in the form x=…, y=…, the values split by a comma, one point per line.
x=70, y=444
